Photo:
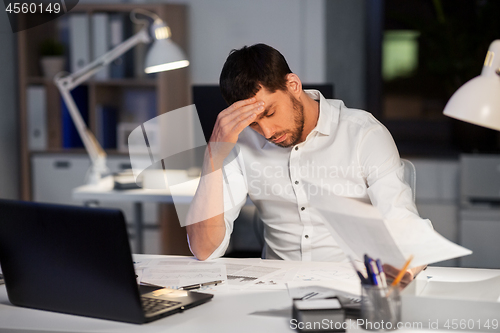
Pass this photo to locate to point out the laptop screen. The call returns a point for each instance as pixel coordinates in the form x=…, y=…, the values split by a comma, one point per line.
x=68, y=259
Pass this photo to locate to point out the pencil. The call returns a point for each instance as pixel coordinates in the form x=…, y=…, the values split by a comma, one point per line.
x=402, y=272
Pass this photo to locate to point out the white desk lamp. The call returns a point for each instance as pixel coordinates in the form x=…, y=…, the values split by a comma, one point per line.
x=163, y=55
x=478, y=101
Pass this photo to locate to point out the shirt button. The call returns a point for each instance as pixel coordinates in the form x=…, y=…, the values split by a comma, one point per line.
x=302, y=208
x=296, y=148
x=306, y=236
x=296, y=182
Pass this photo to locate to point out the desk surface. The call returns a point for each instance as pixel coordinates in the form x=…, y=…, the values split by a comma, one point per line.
x=229, y=311
x=182, y=192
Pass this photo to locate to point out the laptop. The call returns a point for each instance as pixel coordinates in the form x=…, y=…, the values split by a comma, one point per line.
x=77, y=260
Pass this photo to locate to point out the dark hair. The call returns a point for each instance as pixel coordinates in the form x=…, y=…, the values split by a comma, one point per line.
x=246, y=69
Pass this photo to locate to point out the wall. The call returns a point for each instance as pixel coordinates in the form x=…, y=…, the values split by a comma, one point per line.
x=346, y=50
x=294, y=27
x=9, y=140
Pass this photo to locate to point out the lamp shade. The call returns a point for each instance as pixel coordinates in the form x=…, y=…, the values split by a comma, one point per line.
x=164, y=54
x=478, y=101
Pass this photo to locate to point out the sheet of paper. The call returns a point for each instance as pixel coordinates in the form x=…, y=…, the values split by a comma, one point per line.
x=310, y=291
x=245, y=275
x=323, y=289
x=359, y=229
x=277, y=280
x=424, y=243
x=183, y=275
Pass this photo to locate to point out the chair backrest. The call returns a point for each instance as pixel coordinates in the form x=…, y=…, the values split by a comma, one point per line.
x=410, y=175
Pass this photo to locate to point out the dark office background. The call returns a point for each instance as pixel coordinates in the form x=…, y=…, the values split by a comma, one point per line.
x=445, y=43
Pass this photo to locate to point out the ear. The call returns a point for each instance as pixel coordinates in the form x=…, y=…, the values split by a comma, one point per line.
x=294, y=84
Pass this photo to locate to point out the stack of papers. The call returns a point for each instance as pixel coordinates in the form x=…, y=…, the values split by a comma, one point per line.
x=246, y=274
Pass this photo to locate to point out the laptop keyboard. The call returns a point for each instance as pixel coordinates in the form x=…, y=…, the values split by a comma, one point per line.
x=153, y=305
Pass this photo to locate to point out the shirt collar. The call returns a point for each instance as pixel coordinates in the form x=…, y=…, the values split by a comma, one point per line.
x=326, y=113
x=328, y=116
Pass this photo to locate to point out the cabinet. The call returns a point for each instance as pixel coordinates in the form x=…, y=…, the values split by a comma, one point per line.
x=55, y=176
x=479, y=209
x=49, y=174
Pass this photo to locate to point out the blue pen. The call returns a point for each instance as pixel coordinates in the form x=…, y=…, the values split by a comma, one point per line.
x=373, y=272
x=381, y=273
x=369, y=270
x=360, y=275
x=376, y=277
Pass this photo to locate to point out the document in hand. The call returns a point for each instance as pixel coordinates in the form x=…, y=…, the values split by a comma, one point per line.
x=359, y=228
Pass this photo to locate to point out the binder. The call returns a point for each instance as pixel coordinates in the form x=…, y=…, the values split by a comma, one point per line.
x=70, y=136
x=117, y=29
x=79, y=41
x=100, y=41
x=37, y=117
x=106, y=124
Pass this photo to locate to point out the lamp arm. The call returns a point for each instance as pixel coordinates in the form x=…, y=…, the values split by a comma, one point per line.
x=67, y=83
x=75, y=79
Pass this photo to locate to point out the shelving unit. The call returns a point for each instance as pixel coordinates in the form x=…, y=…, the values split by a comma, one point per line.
x=171, y=90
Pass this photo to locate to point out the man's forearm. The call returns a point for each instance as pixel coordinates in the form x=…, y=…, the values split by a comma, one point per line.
x=205, y=220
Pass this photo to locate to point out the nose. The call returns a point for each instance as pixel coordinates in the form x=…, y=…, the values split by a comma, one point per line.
x=267, y=131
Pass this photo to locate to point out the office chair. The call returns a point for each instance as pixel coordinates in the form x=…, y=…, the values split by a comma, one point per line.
x=410, y=177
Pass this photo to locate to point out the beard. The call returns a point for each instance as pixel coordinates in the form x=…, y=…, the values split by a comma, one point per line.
x=295, y=133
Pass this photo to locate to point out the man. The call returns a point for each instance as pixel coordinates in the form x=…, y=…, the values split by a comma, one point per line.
x=289, y=143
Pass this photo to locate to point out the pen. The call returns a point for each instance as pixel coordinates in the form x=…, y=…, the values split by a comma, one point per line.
x=199, y=285
x=402, y=272
x=150, y=284
x=375, y=274
x=360, y=275
x=368, y=269
x=381, y=273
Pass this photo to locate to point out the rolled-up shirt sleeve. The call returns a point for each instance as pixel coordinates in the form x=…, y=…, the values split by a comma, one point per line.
x=235, y=194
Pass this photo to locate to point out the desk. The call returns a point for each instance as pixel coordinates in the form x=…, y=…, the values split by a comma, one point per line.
x=229, y=311
x=236, y=311
x=102, y=192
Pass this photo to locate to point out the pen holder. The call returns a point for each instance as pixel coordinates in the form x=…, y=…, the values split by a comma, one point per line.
x=380, y=308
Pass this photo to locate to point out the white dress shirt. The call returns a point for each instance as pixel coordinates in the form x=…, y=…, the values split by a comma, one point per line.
x=349, y=153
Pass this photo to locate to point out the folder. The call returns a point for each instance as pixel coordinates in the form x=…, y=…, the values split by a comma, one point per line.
x=117, y=36
x=79, y=41
x=37, y=117
x=100, y=41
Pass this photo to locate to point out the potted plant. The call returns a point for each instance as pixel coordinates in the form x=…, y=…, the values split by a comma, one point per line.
x=52, y=58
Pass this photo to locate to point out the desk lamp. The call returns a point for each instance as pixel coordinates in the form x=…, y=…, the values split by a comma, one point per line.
x=163, y=55
x=478, y=101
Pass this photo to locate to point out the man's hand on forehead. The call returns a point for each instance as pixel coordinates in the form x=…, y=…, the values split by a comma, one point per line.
x=235, y=118
x=231, y=121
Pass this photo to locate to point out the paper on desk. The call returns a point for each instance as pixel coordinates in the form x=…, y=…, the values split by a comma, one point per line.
x=338, y=274
x=245, y=275
x=324, y=289
x=359, y=228
x=178, y=276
